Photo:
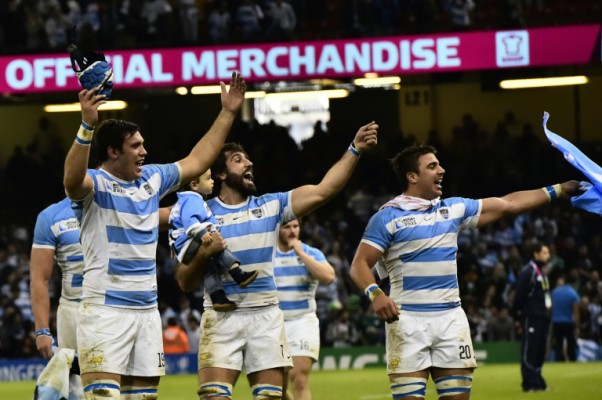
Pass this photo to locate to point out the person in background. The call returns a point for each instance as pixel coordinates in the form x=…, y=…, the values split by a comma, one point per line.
x=565, y=319
x=532, y=305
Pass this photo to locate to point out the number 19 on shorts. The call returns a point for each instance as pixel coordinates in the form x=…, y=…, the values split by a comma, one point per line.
x=161, y=359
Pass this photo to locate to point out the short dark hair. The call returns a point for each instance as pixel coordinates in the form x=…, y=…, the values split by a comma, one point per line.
x=112, y=133
x=537, y=246
x=219, y=165
x=406, y=161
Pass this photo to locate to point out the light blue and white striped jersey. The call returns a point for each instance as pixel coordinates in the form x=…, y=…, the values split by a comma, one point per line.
x=57, y=229
x=296, y=286
x=119, y=223
x=419, y=251
x=251, y=232
x=190, y=212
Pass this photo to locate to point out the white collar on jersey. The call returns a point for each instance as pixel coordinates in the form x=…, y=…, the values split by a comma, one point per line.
x=411, y=203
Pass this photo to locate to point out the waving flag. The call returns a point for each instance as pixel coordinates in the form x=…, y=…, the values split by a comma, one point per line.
x=591, y=200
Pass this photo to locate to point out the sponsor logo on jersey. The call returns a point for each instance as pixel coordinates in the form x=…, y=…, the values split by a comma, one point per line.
x=444, y=213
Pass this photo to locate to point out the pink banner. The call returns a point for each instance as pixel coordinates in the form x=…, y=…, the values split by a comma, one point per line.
x=571, y=45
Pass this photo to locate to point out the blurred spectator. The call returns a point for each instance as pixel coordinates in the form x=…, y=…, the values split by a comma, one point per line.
x=175, y=340
x=220, y=23
x=282, y=21
x=249, y=18
x=460, y=13
x=189, y=21
x=565, y=319
x=500, y=326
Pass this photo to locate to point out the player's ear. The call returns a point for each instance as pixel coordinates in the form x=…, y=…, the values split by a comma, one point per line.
x=112, y=152
x=412, y=177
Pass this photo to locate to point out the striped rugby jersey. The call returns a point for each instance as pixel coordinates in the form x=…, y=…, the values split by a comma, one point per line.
x=296, y=286
x=190, y=212
x=57, y=229
x=119, y=223
x=251, y=232
x=419, y=251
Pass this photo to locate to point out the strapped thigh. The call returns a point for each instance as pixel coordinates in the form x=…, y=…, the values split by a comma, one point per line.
x=214, y=389
x=408, y=386
x=102, y=389
x=452, y=385
x=139, y=393
x=264, y=391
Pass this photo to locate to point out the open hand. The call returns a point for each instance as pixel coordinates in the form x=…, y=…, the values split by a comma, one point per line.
x=233, y=98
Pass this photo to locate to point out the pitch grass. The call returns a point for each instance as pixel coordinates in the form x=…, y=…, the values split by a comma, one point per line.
x=491, y=382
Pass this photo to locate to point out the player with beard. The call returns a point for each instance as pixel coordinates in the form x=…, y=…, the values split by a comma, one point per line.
x=415, y=235
x=253, y=337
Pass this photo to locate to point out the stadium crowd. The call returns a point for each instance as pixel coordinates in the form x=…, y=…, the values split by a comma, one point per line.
x=33, y=26
x=489, y=260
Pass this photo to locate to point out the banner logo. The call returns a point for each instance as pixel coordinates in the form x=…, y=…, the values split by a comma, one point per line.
x=512, y=48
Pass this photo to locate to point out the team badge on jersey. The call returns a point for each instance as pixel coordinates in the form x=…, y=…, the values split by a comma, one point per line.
x=219, y=220
x=148, y=188
x=257, y=212
x=444, y=213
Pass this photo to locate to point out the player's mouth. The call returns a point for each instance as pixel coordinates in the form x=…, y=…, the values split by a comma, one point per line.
x=438, y=184
x=139, y=164
x=248, y=177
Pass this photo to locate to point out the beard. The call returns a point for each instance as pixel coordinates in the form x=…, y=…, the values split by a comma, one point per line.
x=237, y=182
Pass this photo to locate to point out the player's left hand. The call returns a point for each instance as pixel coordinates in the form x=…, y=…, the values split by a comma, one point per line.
x=233, y=98
x=571, y=188
x=366, y=137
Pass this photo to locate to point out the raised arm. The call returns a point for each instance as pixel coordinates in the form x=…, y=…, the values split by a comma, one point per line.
x=41, y=263
x=494, y=208
x=207, y=149
x=365, y=258
x=77, y=183
x=307, y=198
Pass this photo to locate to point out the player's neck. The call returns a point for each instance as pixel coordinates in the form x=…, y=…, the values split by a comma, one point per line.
x=283, y=247
x=230, y=196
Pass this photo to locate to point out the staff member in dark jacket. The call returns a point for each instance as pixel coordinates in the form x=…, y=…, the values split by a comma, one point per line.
x=532, y=304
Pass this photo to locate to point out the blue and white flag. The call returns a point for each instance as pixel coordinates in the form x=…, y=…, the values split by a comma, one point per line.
x=591, y=200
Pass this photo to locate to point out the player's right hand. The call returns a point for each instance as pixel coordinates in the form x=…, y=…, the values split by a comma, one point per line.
x=385, y=308
x=89, y=101
x=44, y=346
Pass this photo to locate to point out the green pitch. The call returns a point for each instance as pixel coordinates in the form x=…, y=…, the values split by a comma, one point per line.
x=491, y=382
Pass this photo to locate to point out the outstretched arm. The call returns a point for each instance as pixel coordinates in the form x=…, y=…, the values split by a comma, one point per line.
x=494, y=208
x=77, y=183
x=361, y=273
x=41, y=263
x=307, y=198
x=207, y=149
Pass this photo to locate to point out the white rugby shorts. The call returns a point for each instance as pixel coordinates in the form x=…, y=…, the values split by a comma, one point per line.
x=420, y=340
x=257, y=334
x=120, y=340
x=66, y=324
x=303, y=335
